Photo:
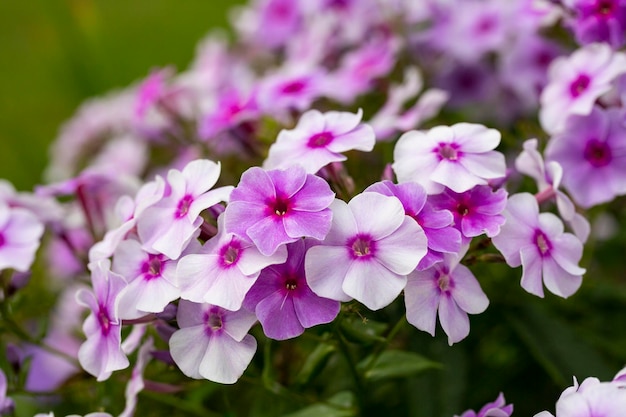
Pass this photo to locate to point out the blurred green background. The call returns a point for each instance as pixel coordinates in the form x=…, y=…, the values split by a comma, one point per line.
x=56, y=53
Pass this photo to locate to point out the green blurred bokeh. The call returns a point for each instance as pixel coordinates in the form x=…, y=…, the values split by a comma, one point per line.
x=56, y=53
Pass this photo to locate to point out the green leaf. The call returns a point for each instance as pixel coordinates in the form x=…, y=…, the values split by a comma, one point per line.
x=314, y=363
x=558, y=347
x=341, y=404
x=363, y=331
x=395, y=364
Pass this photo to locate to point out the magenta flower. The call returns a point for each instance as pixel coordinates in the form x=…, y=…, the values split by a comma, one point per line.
x=101, y=353
x=292, y=88
x=498, y=408
x=283, y=301
x=272, y=208
x=576, y=82
x=458, y=157
x=319, y=139
x=20, y=233
x=436, y=223
x=537, y=242
x=447, y=289
x=359, y=69
x=476, y=211
x=151, y=280
x=212, y=343
x=591, y=151
x=168, y=226
x=370, y=249
x=598, y=21
x=224, y=270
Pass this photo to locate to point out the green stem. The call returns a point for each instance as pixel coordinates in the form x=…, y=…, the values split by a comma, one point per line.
x=343, y=346
x=380, y=348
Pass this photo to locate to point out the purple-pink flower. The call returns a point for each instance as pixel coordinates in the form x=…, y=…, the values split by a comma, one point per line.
x=371, y=247
x=283, y=301
x=212, y=343
x=224, y=269
x=101, y=353
x=168, y=226
x=272, y=208
x=20, y=233
x=476, y=211
x=458, y=157
x=591, y=150
x=497, y=408
x=319, y=139
x=591, y=398
x=437, y=223
x=598, y=21
x=448, y=290
x=537, y=242
x=576, y=82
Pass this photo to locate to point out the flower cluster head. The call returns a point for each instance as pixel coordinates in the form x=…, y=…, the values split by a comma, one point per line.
x=288, y=183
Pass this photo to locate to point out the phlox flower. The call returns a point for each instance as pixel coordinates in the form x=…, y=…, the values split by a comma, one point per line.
x=128, y=210
x=548, y=176
x=275, y=207
x=212, y=343
x=319, y=139
x=393, y=116
x=168, y=226
x=448, y=290
x=371, y=247
x=458, y=157
x=497, y=408
x=484, y=24
x=283, y=301
x=592, y=151
x=223, y=270
x=436, y=223
x=20, y=234
x=598, y=21
x=476, y=211
x=538, y=243
x=294, y=87
x=6, y=404
x=591, y=398
x=359, y=68
x=101, y=353
x=576, y=82
x=151, y=279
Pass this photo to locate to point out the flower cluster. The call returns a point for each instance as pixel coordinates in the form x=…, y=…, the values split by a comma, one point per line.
x=300, y=188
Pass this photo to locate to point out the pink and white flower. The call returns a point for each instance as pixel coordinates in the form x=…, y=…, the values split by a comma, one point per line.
x=212, y=343
x=224, y=270
x=371, y=247
x=448, y=290
x=319, y=139
x=576, y=82
x=101, y=353
x=537, y=242
x=458, y=157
